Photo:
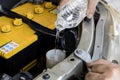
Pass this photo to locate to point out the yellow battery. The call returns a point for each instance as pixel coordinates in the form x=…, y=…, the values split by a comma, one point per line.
x=18, y=38
x=18, y=41
x=45, y=17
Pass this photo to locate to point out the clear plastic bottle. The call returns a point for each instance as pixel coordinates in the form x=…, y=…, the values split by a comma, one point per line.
x=71, y=14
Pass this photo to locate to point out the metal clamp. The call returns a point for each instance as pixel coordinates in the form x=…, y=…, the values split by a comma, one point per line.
x=83, y=55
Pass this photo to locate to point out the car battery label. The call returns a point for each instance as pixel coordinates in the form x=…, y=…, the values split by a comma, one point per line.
x=9, y=47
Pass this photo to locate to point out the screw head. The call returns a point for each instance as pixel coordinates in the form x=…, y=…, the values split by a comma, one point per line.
x=46, y=76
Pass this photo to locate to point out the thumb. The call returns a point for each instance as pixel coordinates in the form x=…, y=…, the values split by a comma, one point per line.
x=89, y=64
x=91, y=8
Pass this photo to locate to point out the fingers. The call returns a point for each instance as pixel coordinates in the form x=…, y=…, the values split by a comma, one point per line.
x=100, y=61
x=91, y=8
x=100, y=68
x=93, y=76
x=62, y=2
x=103, y=70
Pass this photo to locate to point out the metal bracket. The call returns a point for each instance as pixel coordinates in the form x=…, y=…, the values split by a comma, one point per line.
x=99, y=37
x=85, y=56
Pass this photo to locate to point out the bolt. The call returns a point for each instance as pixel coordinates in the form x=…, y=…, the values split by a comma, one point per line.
x=46, y=76
x=79, y=51
x=22, y=78
x=115, y=61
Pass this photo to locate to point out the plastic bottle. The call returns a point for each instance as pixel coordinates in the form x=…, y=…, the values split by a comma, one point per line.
x=71, y=14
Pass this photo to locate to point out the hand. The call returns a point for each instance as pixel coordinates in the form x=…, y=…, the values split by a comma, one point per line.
x=90, y=10
x=103, y=70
